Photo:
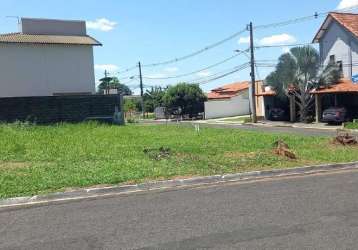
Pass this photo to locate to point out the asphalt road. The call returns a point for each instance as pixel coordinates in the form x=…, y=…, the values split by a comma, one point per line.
x=312, y=212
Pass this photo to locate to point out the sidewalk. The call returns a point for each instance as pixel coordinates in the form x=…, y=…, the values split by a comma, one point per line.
x=298, y=125
x=240, y=121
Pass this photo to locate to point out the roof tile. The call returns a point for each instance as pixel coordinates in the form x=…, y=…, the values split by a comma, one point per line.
x=48, y=39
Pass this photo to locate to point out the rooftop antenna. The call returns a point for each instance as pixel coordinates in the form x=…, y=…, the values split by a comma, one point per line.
x=17, y=18
x=18, y=21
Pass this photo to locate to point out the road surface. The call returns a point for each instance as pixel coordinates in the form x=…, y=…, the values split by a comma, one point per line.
x=268, y=129
x=310, y=212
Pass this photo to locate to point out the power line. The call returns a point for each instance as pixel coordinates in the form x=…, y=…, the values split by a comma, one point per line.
x=300, y=19
x=214, y=45
x=219, y=75
x=197, y=71
x=282, y=45
x=127, y=70
x=224, y=75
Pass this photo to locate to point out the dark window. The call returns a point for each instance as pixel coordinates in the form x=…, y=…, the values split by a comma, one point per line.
x=340, y=65
x=332, y=59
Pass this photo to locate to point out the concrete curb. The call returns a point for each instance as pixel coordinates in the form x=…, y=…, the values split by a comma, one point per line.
x=90, y=193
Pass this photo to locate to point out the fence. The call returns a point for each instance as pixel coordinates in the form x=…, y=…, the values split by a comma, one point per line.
x=52, y=109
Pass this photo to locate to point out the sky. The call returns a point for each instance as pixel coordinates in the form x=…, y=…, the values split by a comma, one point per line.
x=152, y=31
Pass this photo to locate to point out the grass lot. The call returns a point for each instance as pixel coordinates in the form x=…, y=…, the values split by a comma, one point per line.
x=351, y=125
x=40, y=159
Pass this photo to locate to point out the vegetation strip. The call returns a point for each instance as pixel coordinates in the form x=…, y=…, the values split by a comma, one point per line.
x=36, y=160
x=160, y=185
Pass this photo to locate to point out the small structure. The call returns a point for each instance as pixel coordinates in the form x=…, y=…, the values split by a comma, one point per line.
x=47, y=58
x=338, y=41
x=232, y=100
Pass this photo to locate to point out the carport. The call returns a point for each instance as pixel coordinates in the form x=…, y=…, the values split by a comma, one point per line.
x=342, y=94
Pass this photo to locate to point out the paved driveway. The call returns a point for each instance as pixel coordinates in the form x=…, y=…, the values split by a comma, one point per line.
x=312, y=212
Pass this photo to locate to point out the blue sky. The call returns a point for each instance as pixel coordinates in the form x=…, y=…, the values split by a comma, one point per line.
x=157, y=30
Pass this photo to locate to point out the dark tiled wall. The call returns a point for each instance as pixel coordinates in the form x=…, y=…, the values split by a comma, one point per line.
x=52, y=109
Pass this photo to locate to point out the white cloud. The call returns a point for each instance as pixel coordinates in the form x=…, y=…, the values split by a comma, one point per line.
x=278, y=39
x=347, y=4
x=171, y=69
x=101, y=24
x=156, y=75
x=286, y=50
x=108, y=67
x=244, y=40
x=204, y=73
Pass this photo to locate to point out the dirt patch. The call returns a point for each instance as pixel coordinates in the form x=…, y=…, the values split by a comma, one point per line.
x=158, y=154
x=282, y=149
x=345, y=139
x=14, y=165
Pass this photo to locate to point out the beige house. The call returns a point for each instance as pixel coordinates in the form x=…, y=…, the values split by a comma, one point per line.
x=46, y=58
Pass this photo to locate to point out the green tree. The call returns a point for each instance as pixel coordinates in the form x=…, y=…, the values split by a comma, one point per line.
x=113, y=83
x=188, y=97
x=130, y=105
x=298, y=73
x=153, y=98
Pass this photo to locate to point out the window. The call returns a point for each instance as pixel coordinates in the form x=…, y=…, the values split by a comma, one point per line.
x=332, y=59
x=340, y=65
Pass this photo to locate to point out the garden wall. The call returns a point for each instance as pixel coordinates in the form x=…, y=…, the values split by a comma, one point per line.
x=53, y=109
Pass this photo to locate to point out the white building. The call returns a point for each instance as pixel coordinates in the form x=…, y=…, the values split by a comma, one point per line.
x=338, y=42
x=46, y=58
x=233, y=100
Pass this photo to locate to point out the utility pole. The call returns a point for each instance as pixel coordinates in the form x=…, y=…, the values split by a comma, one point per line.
x=107, y=82
x=253, y=80
x=141, y=88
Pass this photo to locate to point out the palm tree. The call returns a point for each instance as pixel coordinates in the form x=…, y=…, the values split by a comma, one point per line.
x=298, y=73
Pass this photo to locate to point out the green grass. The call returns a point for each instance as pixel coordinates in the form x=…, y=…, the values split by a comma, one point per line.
x=41, y=159
x=351, y=125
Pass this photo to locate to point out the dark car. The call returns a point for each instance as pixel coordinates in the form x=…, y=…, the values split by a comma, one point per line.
x=277, y=114
x=335, y=115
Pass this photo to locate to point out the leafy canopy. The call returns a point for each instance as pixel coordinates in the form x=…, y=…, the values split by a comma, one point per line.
x=113, y=83
x=188, y=97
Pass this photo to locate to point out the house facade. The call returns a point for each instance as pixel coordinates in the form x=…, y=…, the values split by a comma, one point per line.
x=338, y=42
x=47, y=58
x=232, y=100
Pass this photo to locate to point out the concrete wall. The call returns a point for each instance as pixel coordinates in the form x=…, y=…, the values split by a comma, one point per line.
x=45, y=70
x=341, y=43
x=36, y=26
x=235, y=106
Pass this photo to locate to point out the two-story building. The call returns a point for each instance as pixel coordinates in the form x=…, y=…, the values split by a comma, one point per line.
x=46, y=58
x=338, y=42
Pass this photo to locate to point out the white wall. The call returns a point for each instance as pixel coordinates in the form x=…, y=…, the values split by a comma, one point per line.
x=341, y=43
x=42, y=70
x=238, y=105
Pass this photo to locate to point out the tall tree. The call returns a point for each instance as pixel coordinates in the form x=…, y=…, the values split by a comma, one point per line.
x=189, y=98
x=298, y=73
x=153, y=98
x=113, y=83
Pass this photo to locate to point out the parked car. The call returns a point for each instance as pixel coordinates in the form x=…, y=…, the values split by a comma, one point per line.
x=335, y=115
x=277, y=114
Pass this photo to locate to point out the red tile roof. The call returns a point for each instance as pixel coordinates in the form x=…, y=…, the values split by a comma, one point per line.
x=348, y=20
x=343, y=86
x=228, y=91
